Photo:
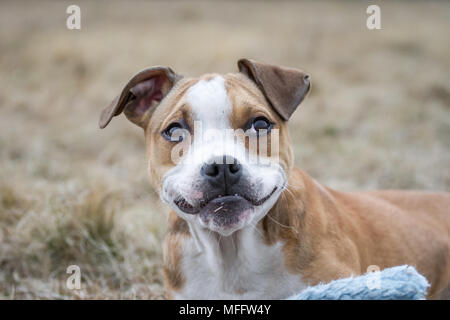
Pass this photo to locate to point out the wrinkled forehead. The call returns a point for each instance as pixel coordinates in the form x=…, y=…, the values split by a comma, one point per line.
x=218, y=101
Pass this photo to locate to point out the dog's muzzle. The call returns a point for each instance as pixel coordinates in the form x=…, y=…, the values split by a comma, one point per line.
x=226, y=193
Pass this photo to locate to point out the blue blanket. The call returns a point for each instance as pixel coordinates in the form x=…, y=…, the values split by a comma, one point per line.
x=397, y=283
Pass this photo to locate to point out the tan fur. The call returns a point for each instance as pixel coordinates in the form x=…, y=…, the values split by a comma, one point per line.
x=340, y=234
x=178, y=230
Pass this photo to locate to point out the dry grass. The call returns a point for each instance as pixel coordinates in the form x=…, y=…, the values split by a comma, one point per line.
x=378, y=117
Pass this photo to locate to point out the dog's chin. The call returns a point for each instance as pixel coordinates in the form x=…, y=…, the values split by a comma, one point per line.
x=223, y=214
x=226, y=215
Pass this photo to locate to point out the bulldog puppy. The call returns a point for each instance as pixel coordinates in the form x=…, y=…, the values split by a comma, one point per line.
x=246, y=229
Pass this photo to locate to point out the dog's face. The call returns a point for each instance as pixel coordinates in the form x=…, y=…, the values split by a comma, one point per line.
x=218, y=146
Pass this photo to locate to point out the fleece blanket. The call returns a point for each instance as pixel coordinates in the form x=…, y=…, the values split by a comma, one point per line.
x=397, y=283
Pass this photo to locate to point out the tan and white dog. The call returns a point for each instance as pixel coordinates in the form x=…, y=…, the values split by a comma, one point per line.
x=241, y=230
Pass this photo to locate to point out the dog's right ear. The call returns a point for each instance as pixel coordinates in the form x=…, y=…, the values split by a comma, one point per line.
x=140, y=96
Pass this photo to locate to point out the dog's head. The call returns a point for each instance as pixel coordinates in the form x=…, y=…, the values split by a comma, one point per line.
x=218, y=145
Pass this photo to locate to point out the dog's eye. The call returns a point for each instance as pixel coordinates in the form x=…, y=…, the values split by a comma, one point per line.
x=174, y=132
x=262, y=123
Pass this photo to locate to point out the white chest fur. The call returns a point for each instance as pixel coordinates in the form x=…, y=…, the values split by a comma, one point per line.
x=240, y=266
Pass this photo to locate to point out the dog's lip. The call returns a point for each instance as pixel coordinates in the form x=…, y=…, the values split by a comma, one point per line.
x=186, y=207
x=263, y=199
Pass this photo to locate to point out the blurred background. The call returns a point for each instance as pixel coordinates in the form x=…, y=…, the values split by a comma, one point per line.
x=378, y=116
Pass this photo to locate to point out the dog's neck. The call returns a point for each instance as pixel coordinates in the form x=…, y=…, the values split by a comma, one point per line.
x=236, y=263
x=223, y=252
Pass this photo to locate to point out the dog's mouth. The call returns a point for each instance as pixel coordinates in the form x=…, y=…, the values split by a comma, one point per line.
x=220, y=202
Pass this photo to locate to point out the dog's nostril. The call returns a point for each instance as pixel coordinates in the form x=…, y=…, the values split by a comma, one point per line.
x=234, y=168
x=211, y=170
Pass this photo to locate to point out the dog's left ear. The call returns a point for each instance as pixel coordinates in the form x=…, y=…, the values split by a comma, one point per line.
x=284, y=88
x=140, y=96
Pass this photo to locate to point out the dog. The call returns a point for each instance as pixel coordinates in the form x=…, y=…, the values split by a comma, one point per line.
x=239, y=229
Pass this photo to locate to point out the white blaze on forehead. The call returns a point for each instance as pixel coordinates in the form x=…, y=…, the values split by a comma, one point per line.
x=210, y=103
x=211, y=111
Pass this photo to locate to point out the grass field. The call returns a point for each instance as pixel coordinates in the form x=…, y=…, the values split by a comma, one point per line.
x=378, y=116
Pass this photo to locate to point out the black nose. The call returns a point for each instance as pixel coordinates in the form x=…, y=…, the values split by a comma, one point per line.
x=222, y=172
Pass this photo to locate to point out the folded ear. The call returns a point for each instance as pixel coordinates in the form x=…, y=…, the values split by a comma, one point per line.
x=140, y=96
x=284, y=88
